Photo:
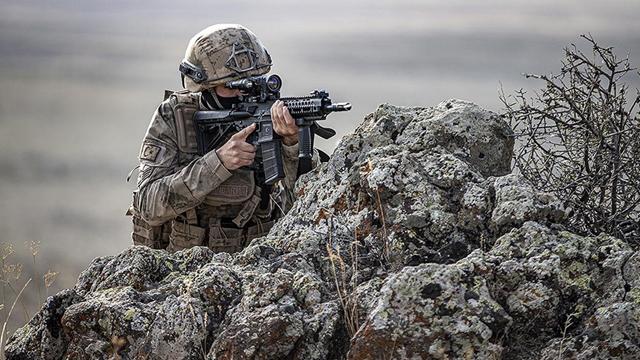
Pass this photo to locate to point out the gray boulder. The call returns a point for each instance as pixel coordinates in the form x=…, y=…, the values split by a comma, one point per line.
x=433, y=311
x=412, y=242
x=612, y=332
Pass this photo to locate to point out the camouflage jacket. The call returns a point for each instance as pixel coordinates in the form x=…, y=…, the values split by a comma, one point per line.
x=183, y=194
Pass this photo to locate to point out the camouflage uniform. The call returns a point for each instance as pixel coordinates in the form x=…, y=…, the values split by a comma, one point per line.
x=186, y=200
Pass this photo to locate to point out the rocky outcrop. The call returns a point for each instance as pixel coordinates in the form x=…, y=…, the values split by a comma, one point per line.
x=412, y=242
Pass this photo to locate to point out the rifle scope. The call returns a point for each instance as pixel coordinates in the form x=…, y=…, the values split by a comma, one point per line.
x=272, y=83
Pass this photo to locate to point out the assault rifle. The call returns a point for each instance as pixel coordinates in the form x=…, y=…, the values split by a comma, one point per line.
x=260, y=92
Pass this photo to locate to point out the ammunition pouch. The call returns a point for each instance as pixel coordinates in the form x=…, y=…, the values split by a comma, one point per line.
x=155, y=237
x=231, y=240
x=185, y=236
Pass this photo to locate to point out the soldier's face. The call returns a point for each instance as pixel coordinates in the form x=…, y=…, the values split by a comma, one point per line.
x=226, y=92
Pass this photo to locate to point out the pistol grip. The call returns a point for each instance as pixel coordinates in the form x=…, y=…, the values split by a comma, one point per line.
x=305, y=149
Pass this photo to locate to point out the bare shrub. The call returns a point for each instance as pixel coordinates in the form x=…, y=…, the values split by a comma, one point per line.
x=579, y=137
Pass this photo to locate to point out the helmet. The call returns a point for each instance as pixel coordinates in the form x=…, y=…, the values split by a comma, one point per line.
x=222, y=53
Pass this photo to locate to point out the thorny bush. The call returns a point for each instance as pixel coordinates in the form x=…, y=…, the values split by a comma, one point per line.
x=579, y=137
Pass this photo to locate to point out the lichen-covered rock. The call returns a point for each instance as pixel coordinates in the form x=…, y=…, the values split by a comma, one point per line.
x=411, y=242
x=409, y=184
x=543, y=275
x=269, y=332
x=518, y=202
x=474, y=135
x=612, y=332
x=433, y=311
x=43, y=337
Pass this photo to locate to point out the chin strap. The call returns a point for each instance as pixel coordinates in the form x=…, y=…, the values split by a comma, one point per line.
x=214, y=96
x=216, y=101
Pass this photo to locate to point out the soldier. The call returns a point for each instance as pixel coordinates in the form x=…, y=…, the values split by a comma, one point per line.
x=185, y=200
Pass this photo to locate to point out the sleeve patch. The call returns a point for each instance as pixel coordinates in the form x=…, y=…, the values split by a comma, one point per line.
x=150, y=152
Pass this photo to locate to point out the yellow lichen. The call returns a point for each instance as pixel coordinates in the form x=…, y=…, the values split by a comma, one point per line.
x=576, y=274
x=634, y=295
x=129, y=314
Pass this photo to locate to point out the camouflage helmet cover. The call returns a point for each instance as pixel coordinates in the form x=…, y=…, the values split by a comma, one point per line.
x=222, y=53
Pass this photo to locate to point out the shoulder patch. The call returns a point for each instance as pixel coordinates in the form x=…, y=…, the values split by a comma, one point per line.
x=150, y=152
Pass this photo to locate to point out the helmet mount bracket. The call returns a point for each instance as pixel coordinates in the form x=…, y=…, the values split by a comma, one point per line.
x=193, y=72
x=238, y=51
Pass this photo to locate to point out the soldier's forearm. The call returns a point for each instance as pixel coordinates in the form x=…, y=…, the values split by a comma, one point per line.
x=290, y=164
x=167, y=197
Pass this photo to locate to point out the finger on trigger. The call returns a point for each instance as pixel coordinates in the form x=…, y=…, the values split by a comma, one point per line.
x=244, y=133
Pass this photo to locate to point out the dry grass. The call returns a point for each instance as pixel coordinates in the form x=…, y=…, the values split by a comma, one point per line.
x=344, y=290
x=11, y=279
x=117, y=344
x=567, y=324
x=387, y=246
x=344, y=276
x=4, y=325
x=345, y=272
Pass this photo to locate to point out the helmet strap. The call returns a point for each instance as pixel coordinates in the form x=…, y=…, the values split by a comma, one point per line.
x=214, y=100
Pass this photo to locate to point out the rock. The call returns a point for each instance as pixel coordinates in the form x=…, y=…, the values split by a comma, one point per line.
x=474, y=135
x=612, y=332
x=413, y=176
x=266, y=332
x=517, y=202
x=413, y=241
x=432, y=311
x=43, y=337
x=542, y=276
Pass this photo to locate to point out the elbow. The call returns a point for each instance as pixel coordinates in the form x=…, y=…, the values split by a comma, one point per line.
x=152, y=219
x=148, y=209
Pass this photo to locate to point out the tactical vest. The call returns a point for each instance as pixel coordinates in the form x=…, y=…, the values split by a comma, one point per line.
x=229, y=217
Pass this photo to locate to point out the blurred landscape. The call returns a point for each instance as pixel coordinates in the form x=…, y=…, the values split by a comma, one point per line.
x=79, y=81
